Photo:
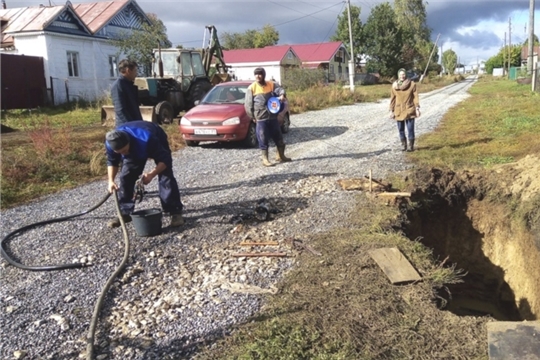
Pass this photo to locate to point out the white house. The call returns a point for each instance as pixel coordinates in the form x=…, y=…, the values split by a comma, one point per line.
x=73, y=40
x=274, y=59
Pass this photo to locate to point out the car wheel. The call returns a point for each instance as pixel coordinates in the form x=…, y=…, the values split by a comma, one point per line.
x=165, y=113
x=251, y=137
x=192, y=143
x=286, y=124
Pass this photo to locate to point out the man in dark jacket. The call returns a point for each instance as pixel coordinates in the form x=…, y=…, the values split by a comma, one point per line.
x=124, y=93
x=132, y=144
x=257, y=97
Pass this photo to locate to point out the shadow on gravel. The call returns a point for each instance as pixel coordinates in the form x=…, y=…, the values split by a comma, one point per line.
x=243, y=212
x=262, y=180
x=309, y=133
x=349, y=155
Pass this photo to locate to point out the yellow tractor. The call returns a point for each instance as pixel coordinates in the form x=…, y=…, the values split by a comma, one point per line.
x=180, y=78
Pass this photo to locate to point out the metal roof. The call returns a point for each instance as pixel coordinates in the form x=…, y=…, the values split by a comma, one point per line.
x=91, y=16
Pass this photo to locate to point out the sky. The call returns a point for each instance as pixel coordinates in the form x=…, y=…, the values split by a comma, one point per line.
x=474, y=29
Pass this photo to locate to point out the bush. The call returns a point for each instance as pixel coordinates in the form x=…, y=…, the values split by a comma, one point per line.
x=302, y=79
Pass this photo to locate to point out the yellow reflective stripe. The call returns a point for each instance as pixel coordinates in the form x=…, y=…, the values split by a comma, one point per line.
x=257, y=89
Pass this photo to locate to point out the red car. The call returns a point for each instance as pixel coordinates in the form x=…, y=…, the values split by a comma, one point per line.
x=220, y=116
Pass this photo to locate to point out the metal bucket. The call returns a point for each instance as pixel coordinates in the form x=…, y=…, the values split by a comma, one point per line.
x=147, y=222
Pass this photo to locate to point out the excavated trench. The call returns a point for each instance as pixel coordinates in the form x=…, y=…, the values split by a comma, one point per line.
x=500, y=256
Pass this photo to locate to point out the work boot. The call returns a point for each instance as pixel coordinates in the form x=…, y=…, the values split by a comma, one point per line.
x=411, y=145
x=177, y=220
x=115, y=222
x=404, y=144
x=265, y=160
x=281, y=154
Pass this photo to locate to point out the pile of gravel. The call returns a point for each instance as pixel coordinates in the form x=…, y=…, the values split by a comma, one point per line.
x=185, y=286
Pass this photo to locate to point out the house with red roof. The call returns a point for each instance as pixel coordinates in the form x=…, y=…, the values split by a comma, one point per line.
x=332, y=57
x=274, y=59
x=74, y=42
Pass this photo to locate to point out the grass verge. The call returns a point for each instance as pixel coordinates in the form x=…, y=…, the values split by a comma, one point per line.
x=498, y=124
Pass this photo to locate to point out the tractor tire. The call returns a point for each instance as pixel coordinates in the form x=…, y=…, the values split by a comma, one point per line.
x=251, y=137
x=198, y=90
x=164, y=113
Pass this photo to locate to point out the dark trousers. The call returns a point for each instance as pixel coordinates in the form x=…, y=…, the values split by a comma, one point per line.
x=266, y=130
x=169, y=194
x=410, y=129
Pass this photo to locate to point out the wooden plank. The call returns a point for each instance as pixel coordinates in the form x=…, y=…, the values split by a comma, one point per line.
x=261, y=254
x=268, y=243
x=405, y=194
x=513, y=340
x=394, y=264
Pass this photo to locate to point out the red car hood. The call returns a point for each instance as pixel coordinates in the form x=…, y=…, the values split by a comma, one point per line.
x=215, y=112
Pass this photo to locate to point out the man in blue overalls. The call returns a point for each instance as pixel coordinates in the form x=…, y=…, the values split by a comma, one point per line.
x=132, y=144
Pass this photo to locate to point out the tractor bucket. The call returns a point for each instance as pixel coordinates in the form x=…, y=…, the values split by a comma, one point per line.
x=108, y=115
x=218, y=78
x=148, y=113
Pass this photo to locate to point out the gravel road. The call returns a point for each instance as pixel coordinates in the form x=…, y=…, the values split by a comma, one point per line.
x=185, y=286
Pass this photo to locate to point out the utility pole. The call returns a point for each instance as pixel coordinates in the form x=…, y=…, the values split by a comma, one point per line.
x=531, y=37
x=505, y=57
x=430, y=55
x=351, y=60
x=509, y=45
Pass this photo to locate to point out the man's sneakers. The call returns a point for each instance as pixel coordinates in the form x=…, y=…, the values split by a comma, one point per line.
x=177, y=220
x=115, y=222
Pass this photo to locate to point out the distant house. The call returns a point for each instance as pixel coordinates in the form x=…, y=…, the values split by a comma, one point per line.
x=274, y=59
x=525, y=53
x=332, y=57
x=73, y=40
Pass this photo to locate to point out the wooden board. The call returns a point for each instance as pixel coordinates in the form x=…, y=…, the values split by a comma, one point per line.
x=392, y=262
x=513, y=340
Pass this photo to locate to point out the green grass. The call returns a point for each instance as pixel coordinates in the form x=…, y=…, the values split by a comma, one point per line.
x=500, y=123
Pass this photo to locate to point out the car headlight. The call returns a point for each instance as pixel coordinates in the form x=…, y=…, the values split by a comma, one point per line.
x=232, y=121
x=185, y=121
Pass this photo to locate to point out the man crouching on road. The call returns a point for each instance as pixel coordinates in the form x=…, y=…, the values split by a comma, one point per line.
x=257, y=97
x=132, y=144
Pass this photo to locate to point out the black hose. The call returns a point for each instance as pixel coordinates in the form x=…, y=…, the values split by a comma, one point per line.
x=99, y=303
x=31, y=226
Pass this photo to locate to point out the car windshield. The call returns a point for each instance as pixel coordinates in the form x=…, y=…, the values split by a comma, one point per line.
x=226, y=94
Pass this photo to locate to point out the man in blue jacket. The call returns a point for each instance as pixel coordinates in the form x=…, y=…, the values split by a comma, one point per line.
x=125, y=94
x=132, y=144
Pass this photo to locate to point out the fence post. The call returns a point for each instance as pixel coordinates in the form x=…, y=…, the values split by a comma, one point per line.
x=52, y=90
x=67, y=91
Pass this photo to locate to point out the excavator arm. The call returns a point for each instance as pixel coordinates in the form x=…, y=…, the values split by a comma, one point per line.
x=213, y=50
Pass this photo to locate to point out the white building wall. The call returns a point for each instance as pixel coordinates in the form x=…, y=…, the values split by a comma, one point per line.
x=244, y=71
x=94, y=80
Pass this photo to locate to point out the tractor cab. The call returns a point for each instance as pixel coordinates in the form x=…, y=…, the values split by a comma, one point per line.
x=181, y=65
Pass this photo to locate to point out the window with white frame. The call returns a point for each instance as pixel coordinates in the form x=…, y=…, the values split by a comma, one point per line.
x=73, y=63
x=113, y=66
x=289, y=55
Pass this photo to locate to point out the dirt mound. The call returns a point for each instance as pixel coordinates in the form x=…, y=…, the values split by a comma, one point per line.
x=488, y=223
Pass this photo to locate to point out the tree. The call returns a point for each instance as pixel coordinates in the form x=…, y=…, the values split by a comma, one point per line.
x=138, y=44
x=449, y=61
x=383, y=41
x=411, y=17
x=266, y=37
x=342, y=30
x=535, y=41
x=250, y=39
x=501, y=59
